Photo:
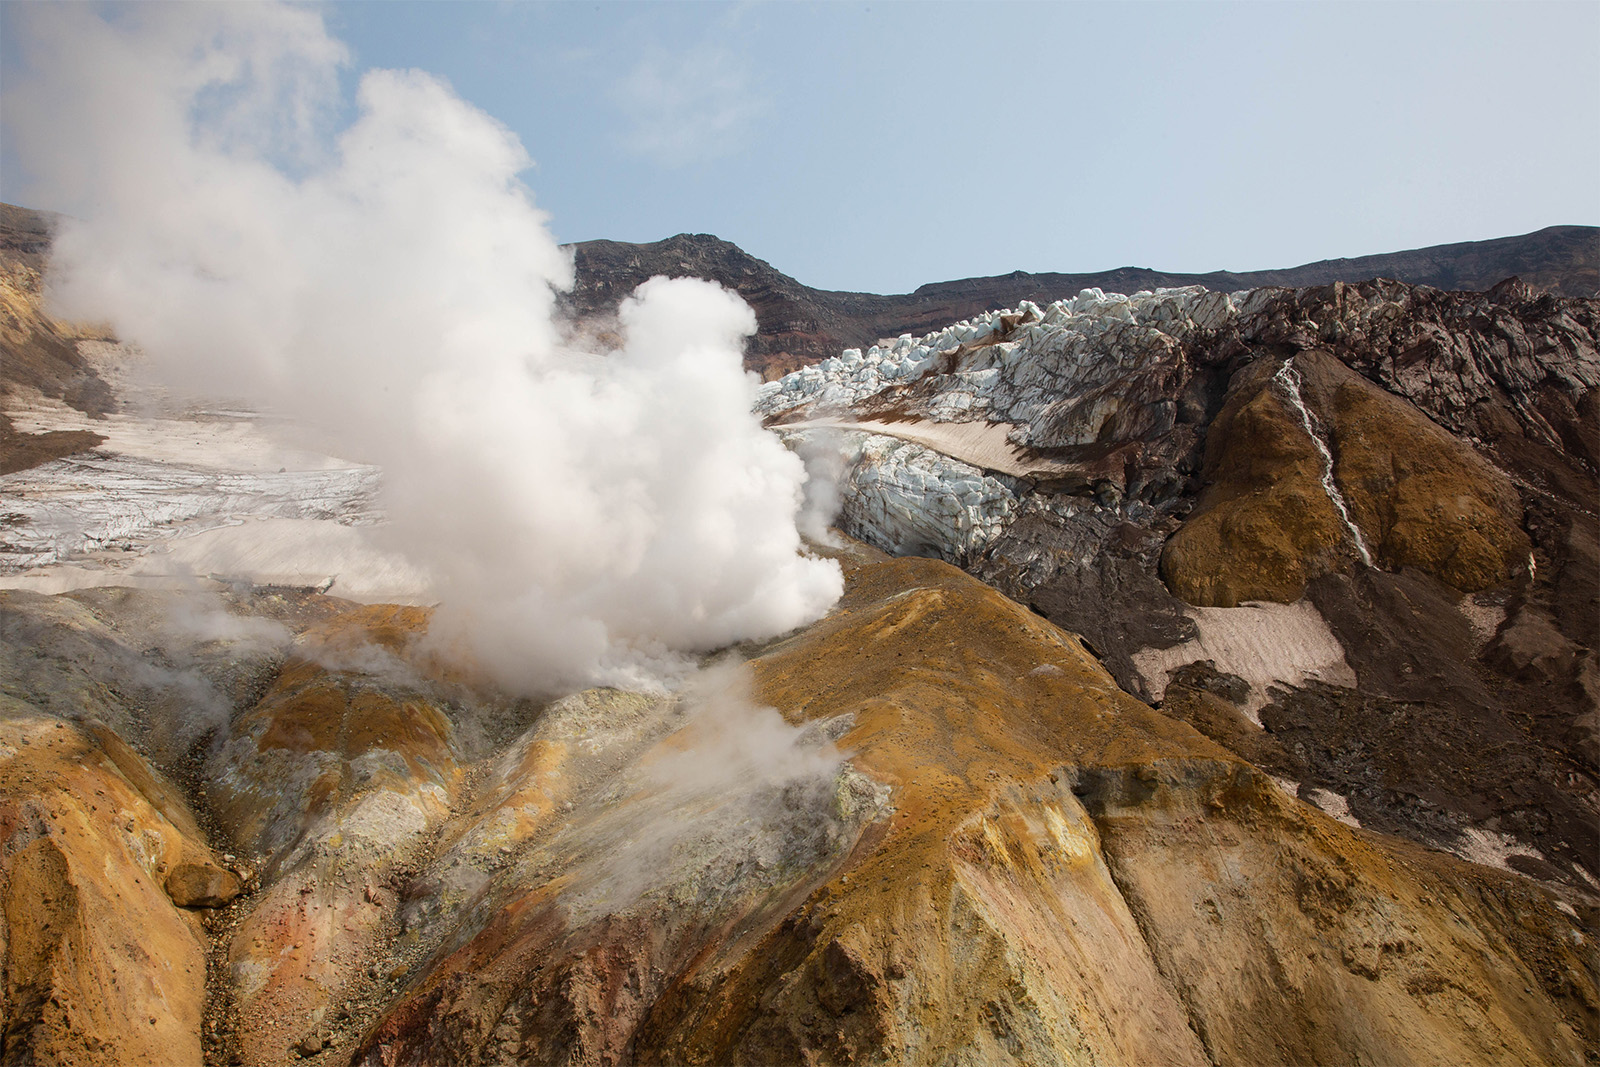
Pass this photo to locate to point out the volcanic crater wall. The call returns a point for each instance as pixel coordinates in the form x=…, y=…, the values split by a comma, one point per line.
x=1180, y=784
x=1157, y=472
x=801, y=325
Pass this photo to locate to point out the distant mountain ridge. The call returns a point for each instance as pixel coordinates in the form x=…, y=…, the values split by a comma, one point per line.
x=800, y=325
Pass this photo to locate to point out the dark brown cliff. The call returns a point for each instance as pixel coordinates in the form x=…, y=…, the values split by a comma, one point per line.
x=801, y=325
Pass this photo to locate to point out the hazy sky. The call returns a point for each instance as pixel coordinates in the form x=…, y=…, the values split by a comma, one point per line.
x=879, y=146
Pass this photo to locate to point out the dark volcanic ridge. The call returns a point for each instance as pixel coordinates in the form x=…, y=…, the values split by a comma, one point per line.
x=801, y=325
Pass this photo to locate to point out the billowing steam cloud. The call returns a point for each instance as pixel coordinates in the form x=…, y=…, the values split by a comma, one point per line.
x=588, y=515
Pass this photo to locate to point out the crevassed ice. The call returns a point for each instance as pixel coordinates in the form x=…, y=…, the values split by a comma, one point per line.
x=1009, y=379
x=1011, y=366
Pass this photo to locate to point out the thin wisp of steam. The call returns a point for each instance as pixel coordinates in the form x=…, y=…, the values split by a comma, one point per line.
x=589, y=516
x=733, y=801
x=822, y=451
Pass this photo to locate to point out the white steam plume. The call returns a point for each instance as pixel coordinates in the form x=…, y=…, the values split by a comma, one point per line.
x=589, y=517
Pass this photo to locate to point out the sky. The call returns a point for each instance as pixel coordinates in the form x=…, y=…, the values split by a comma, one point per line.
x=879, y=146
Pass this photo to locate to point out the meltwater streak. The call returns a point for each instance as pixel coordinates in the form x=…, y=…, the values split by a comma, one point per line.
x=1289, y=378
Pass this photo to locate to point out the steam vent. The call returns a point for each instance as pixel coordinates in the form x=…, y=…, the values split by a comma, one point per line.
x=1202, y=675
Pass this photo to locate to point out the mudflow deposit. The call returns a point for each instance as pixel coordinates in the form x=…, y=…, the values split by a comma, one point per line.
x=1214, y=683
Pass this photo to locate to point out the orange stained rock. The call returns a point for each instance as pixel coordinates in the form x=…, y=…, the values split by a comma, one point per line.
x=100, y=966
x=321, y=722
x=338, y=774
x=1424, y=497
x=1059, y=871
x=1264, y=525
x=399, y=631
x=392, y=627
x=1293, y=938
x=308, y=940
x=957, y=691
x=986, y=887
x=995, y=920
x=525, y=801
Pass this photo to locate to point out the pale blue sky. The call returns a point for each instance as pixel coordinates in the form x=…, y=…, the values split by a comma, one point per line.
x=879, y=146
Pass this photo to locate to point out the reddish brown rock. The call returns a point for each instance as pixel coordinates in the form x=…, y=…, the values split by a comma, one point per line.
x=1264, y=526
x=332, y=780
x=1422, y=496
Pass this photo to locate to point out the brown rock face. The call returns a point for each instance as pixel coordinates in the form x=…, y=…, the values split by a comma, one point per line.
x=100, y=965
x=39, y=352
x=1055, y=878
x=982, y=924
x=1393, y=946
x=1007, y=859
x=1088, y=857
x=1266, y=525
x=1422, y=496
x=617, y=840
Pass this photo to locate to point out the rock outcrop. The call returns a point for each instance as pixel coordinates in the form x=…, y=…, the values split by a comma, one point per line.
x=331, y=780
x=99, y=858
x=930, y=828
x=1409, y=472
x=1265, y=523
x=1279, y=510
x=41, y=352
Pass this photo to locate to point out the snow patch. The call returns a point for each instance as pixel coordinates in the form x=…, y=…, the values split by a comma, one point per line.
x=1265, y=644
x=1493, y=848
x=1335, y=804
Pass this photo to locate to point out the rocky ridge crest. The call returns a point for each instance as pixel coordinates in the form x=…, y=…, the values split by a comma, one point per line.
x=800, y=325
